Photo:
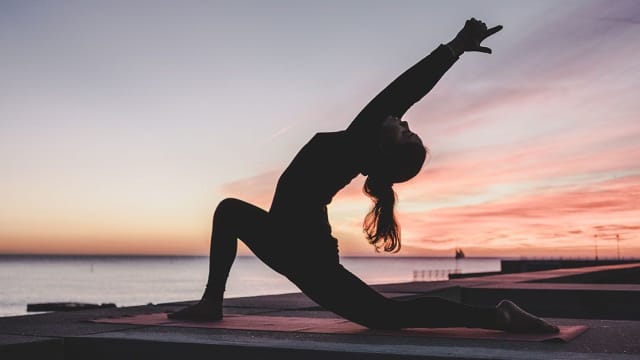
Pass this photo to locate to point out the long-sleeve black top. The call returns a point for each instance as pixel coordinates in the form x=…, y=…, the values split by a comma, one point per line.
x=329, y=161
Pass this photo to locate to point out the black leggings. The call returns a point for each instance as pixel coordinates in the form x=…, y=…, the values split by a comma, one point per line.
x=322, y=278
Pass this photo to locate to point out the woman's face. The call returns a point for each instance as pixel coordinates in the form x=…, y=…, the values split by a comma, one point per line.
x=396, y=132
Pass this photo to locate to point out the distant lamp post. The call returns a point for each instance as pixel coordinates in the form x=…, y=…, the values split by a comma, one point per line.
x=595, y=237
x=618, y=243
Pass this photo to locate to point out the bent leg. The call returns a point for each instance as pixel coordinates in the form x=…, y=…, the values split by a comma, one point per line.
x=233, y=219
x=236, y=219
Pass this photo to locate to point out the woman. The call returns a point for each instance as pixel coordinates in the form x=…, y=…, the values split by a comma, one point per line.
x=294, y=237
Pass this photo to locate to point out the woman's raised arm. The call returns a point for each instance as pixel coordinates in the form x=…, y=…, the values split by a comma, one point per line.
x=417, y=81
x=404, y=91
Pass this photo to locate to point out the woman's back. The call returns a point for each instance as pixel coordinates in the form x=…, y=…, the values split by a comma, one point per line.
x=326, y=164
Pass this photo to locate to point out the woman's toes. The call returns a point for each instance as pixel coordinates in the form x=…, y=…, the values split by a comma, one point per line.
x=513, y=318
x=199, y=312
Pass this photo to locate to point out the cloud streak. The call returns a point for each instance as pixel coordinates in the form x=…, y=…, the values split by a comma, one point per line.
x=545, y=219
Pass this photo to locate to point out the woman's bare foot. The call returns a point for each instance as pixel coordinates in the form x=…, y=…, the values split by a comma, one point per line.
x=513, y=319
x=202, y=311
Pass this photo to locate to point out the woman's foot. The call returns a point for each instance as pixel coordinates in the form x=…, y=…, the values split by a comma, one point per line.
x=513, y=319
x=202, y=311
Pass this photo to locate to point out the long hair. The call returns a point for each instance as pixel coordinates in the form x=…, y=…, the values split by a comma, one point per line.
x=380, y=223
x=398, y=164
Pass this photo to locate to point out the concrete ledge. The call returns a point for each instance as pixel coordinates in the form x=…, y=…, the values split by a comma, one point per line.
x=71, y=335
x=145, y=345
x=575, y=304
x=30, y=347
x=551, y=293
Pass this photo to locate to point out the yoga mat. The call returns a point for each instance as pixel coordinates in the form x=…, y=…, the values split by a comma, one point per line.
x=338, y=326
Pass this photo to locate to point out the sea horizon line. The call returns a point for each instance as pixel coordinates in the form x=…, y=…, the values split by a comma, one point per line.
x=177, y=256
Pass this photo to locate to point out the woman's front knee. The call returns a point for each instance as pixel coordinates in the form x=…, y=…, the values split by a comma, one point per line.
x=226, y=206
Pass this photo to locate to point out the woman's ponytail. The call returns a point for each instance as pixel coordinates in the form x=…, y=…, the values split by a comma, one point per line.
x=380, y=223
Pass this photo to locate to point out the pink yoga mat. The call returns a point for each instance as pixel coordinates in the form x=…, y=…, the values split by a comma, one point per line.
x=338, y=326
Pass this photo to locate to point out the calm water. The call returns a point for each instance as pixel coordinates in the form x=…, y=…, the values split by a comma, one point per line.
x=128, y=281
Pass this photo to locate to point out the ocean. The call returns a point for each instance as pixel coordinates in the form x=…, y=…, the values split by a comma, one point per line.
x=139, y=280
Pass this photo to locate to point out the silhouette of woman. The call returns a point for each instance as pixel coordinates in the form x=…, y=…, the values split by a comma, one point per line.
x=294, y=238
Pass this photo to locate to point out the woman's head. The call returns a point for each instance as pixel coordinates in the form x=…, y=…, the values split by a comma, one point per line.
x=401, y=152
x=395, y=131
x=400, y=157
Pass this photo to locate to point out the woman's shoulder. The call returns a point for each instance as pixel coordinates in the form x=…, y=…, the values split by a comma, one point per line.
x=342, y=137
x=332, y=133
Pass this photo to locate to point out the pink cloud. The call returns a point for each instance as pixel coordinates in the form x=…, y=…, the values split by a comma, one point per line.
x=543, y=220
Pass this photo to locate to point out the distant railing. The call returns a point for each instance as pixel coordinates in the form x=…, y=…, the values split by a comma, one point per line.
x=433, y=275
x=530, y=263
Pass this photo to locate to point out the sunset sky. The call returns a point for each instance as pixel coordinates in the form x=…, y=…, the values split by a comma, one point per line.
x=124, y=123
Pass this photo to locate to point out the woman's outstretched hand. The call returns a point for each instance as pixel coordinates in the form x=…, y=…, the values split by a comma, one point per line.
x=471, y=35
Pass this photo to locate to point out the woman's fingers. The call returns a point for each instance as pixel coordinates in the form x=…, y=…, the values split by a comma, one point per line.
x=483, y=49
x=487, y=33
x=492, y=31
x=473, y=33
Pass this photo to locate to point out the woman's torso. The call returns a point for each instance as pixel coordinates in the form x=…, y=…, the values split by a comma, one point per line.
x=326, y=164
